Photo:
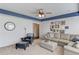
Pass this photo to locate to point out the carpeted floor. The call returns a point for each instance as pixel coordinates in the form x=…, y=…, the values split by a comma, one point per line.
x=33, y=49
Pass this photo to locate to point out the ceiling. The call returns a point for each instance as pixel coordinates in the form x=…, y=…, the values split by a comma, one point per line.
x=29, y=8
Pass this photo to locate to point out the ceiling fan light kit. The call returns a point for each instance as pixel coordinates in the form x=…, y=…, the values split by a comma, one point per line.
x=41, y=13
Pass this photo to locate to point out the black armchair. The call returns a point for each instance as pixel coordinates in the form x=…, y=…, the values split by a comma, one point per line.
x=29, y=38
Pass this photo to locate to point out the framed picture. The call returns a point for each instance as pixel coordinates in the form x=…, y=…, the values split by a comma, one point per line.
x=50, y=29
x=61, y=31
x=66, y=27
x=57, y=30
x=62, y=22
x=54, y=30
x=52, y=26
x=56, y=26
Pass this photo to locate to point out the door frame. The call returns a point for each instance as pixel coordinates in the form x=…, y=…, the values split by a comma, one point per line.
x=34, y=25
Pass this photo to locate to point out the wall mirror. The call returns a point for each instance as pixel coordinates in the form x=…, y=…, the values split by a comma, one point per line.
x=10, y=26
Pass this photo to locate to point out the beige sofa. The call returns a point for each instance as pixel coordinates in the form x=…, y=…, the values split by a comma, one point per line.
x=50, y=45
x=47, y=42
x=72, y=48
x=50, y=41
x=69, y=50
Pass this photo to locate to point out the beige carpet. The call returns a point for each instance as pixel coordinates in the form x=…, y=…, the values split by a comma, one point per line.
x=33, y=49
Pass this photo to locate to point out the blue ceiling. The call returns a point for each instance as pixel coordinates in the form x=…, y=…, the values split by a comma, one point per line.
x=7, y=12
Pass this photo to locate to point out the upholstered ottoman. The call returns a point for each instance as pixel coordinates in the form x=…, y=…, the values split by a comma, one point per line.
x=22, y=45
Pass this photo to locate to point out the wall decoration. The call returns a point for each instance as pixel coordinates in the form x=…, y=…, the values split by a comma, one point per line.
x=62, y=22
x=54, y=30
x=50, y=29
x=56, y=26
x=61, y=31
x=66, y=27
x=52, y=26
x=9, y=26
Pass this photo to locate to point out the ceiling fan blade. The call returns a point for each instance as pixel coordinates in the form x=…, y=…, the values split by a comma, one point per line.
x=48, y=12
x=36, y=12
x=33, y=12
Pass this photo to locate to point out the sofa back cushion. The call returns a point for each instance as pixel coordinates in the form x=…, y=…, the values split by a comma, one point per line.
x=57, y=35
x=65, y=36
x=49, y=35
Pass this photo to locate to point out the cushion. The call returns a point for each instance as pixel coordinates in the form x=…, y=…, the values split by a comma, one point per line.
x=57, y=35
x=71, y=37
x=51, y=34
x=77, y=42
x=77, y=46
x=71, y=43
x=77, y=36
x=75, y=39
x=65, y=36
x=47, y=35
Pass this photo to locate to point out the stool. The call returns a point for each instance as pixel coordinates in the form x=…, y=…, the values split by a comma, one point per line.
x=22, y=45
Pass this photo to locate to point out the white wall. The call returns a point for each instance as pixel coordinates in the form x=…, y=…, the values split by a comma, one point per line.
x=72, y=22
x=11, y=37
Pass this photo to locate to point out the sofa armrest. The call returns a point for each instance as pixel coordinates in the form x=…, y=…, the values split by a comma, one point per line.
x=71, y=49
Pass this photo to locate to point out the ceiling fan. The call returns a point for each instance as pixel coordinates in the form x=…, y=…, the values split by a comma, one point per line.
x=41, y=13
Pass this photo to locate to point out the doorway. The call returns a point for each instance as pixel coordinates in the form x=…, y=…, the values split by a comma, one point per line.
x=36, y=30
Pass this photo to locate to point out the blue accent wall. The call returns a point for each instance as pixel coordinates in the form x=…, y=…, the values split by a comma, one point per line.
x=2, y=11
